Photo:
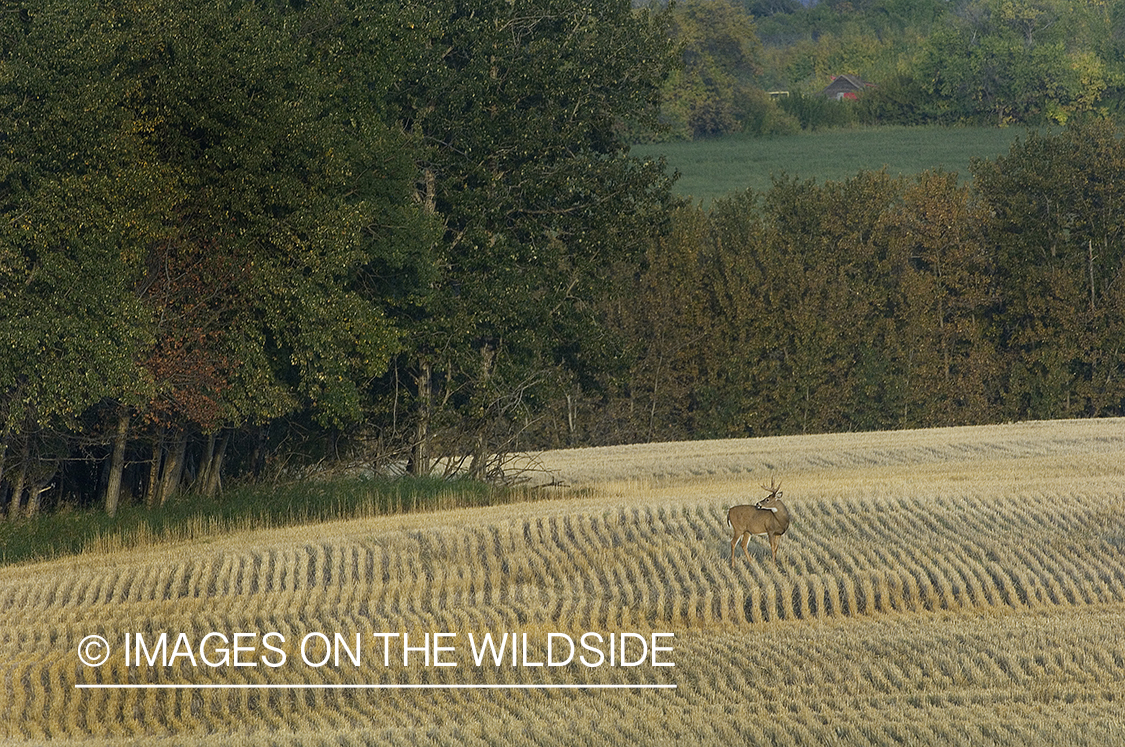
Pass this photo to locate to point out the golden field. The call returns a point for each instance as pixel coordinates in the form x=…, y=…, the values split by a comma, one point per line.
x=947, y=586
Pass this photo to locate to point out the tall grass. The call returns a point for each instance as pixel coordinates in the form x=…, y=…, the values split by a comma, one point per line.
x=247, y=506
x=715, y=167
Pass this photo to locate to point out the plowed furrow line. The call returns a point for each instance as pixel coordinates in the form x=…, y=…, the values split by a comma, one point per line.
x=223, y=575
x=1097, y=584
x=908, y=569
x=556, y=571
x=659, y=575
x=49, y=595
x=579, y=597
x=300, y=569
x=265, y=581
x=1028, y=515
x=974, y=520
x=85, y=591
x=853, y=528
x=971, y=584
x=625, y=600
x=683, y=561
x=684, y=601
x=193, y=577
x=823, y=552
x=461, y=569
x=117, y=586
x=321, y=570
x=39, y=596
x=163, y=582
x=602, y=545
x=275, y=577
x=1008, y=517
x=1047, y=587
x=348, y=583
x=418, y=569
x=179, y=582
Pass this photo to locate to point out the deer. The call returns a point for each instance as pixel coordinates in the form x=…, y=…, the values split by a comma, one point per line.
x=768, y=516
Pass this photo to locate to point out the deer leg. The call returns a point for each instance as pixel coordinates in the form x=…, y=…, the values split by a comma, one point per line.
x=733, y=544
x=746, y=544
x=774, y=539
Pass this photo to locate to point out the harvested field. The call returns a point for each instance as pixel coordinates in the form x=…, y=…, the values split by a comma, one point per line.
x=950, y=586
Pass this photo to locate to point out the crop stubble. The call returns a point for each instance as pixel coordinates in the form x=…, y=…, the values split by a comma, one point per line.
x=942, y=587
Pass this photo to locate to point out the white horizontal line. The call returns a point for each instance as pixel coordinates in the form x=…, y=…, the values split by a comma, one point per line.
x=307, y=686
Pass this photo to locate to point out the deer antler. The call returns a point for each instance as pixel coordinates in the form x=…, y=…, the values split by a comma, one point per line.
x=771, y=489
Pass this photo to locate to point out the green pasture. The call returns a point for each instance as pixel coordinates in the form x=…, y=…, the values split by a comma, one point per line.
x=712, y=168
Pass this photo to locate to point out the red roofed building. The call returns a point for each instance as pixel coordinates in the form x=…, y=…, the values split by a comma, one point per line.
x=845, y=87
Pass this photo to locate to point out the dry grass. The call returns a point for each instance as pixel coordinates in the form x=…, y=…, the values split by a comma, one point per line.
x=955, y=586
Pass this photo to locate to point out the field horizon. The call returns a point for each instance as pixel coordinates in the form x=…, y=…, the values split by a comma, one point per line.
x=946, y=586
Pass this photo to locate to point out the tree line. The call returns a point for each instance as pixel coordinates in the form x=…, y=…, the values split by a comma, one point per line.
x=882, y=302
x=253, y=238
x=245, y=236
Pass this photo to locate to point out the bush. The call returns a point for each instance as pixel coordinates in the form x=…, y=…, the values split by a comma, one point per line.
x=815, y=112
x=900, y=101
x=762, y=115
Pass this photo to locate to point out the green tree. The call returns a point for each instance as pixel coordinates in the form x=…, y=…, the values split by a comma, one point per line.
x=667, y=336
x=228, y=169
x=945, y=298
x=78, y=191
x=1012, y=61
x=1060, y=243
x=523, y=107
x=716, y=92
x=800, y=290
x=738, y=355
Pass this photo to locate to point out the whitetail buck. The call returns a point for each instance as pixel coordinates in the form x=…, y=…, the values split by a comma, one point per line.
x=768, y=516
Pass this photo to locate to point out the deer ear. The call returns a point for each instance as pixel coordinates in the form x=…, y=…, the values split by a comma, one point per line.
x=779, y=494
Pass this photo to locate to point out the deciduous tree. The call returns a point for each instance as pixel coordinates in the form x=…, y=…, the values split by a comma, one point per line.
x=209, y=215
x=523, y=107
x=1060, y=243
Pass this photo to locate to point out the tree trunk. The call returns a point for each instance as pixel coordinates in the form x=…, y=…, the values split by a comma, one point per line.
x=420, y=458
x=478, y=465
x=215, y=473
x=37, y=489
x=572, y=419
x=3, y=455
x=17, y=489
x=204, y=476
x=153, y=497
x=478, y=468
x=258, y=456
x=117, y=464
x=173, y=468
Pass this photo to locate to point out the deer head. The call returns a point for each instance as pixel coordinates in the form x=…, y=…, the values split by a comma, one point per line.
x=769, y=503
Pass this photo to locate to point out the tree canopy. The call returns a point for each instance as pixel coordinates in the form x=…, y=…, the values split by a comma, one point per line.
x=199, y=197
x=220, y=216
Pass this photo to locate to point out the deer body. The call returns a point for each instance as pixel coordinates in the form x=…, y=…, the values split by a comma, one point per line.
x=768, y=516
